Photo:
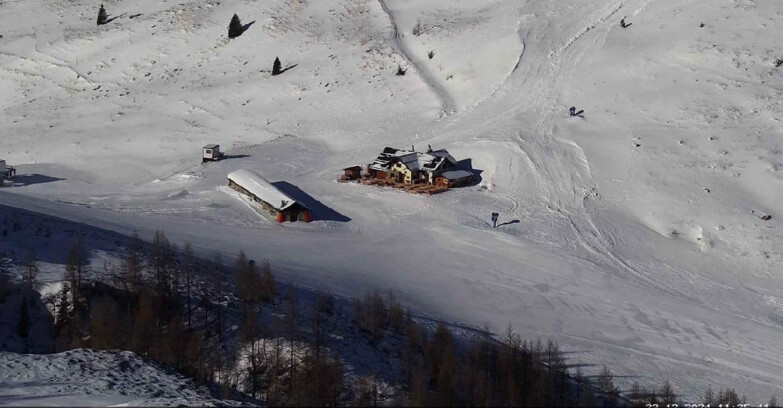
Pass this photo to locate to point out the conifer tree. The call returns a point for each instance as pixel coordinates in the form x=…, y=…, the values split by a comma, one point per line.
x=244, y=279
x=63, y=326
x=709, y=396
x=23, y=324
x=606, y=387
x=102, y=17
x=31, y=276
x=75, y=267
x=666, y=392
x=267, y=282
x=276, y=70
x=235, y=27
x=188, y=265
x=291, y=316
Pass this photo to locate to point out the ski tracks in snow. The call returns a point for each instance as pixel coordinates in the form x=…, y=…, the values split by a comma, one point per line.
x=560, y=167
x=447, y=102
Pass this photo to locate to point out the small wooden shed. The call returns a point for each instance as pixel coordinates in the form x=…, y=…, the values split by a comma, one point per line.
x=211, y=152
x=455, y=178
x=6, y=171
x=352, y=173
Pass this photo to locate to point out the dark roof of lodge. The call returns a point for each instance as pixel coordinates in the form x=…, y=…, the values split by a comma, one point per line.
x=456, y=174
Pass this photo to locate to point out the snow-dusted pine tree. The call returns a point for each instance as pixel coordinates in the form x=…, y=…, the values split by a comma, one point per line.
x=102, y=16
x=235, y=27
x=276, y=70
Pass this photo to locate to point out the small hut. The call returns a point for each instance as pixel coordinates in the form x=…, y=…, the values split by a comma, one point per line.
x=6, y=171
x=211, y=152
x=271, y=200
x=351, y=173
x=455, y=178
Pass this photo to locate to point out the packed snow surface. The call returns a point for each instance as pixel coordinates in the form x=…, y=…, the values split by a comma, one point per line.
x=86, y=377
x=637, y=236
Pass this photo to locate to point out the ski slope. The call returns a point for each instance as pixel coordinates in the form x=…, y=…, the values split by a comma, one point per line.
x=634, y=236
x=84, y=377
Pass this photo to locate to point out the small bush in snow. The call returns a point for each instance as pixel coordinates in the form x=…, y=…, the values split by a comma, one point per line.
x=276, y=69
x=234, y=27
x=102, y=16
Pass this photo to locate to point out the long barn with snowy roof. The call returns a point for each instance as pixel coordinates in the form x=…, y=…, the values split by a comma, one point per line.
x=269, y=198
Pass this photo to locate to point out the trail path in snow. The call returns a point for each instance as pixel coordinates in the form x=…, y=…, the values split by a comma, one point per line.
x=399, y=45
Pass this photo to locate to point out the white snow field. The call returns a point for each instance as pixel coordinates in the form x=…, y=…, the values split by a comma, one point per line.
x=84, y=377
x=633, y=236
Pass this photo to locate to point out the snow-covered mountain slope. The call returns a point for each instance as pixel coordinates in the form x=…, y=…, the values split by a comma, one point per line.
x=86, y=377
x=633, y=236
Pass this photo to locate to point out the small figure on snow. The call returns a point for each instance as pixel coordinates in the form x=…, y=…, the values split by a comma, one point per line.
x=495, y=219
x=572, y=111
x=623, y=23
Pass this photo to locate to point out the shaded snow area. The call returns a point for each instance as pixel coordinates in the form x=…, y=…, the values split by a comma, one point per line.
x=645, y=235
x=84, y=377
x=52, y=237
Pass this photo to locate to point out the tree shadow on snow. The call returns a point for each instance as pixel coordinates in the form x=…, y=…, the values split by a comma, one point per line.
x=318, y=209
x=287, y=68
x=29, y=179
x=109, y=20
x=234, y=156
x=247, y=26
x=509, y=222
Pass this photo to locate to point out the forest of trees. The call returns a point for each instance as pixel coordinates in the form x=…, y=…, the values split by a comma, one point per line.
x=205, y=319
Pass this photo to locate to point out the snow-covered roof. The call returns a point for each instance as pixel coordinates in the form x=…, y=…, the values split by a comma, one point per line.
x=262, y=189
x=430, y=161
x=444, y=154
x=211, y=146
x=384, y=161
x=456, y=174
